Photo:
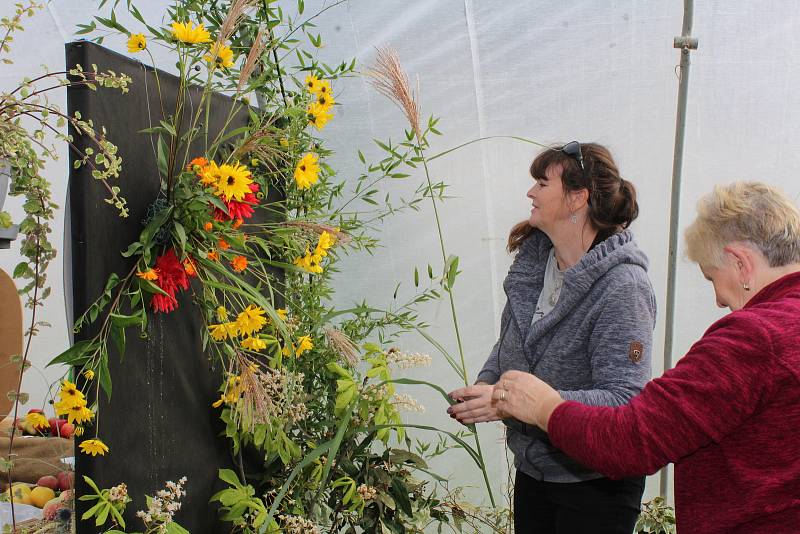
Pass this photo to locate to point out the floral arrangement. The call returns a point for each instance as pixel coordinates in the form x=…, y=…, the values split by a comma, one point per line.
x=311, y=387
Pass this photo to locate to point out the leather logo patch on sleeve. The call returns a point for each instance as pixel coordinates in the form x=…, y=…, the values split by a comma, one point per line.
x=636, y=351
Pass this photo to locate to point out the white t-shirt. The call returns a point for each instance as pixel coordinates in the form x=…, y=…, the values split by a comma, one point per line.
x=551, y=290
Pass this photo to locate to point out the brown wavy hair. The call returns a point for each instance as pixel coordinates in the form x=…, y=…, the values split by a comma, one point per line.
x=612, y=199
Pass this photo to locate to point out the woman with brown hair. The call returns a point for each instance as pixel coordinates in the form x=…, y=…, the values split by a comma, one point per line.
x=727, y=414
x=580, y=314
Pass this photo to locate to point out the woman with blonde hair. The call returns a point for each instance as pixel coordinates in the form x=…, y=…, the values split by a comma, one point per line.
x=728, y=414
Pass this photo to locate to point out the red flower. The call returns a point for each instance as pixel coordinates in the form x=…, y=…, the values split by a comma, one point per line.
x=172, y=277
x=239, y=209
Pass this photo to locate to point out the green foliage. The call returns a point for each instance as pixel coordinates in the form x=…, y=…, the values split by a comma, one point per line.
x=656, y=518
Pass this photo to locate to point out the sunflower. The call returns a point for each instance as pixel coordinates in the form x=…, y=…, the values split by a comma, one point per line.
x=233, y=182
x=307, y=171
x=137, y=43
x=189, y=33
x=254, y=343
x=318, y=115
x=220, y=55
x=93, y=447
x=250, y=320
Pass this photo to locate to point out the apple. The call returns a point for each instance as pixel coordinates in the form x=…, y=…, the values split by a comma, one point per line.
x=35, y=410
x=48, y=481
x=66, y=480
x=55, y=425
x=67, y=430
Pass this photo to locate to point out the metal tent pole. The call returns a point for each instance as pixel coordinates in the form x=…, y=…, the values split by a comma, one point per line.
x=686, y=43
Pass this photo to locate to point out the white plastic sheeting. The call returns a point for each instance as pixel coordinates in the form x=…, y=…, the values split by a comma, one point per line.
x=549, y=71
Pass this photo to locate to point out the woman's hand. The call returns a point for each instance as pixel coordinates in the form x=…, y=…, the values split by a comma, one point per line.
x=525, y=398
x=474, y=404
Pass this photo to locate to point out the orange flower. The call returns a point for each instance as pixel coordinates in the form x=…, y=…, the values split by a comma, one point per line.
x=196, y=164
x=188, y=266
x=149, y=274
x=237, y=223
x=208, y=227
x=223, y=245
x=213, y=256
x=239, y=263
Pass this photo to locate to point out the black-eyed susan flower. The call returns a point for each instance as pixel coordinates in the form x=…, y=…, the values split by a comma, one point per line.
x=233, y=182
x=93, y=447
x=318, y=115
x=137, y=42
x=220, y=55
x=304, y=344
x=307, y=171
x=254, y=343
x=189, y=33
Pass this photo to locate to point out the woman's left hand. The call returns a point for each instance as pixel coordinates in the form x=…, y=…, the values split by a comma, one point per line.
x=525, y=398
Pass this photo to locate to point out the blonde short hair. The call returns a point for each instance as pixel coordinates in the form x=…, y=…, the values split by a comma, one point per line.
x=749, y=212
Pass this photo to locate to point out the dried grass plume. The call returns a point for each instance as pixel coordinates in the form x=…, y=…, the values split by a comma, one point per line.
x=343, y=345
x=388, y=78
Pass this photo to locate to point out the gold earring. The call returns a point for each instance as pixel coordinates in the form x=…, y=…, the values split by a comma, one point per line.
x=746, y=287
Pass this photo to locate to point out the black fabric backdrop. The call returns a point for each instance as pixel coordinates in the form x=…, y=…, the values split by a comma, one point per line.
x=159, y=425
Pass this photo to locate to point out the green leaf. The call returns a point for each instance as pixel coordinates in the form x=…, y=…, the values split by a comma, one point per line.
x=400, y=494
x=180, y=233
x=226, y=475
x=154, y=225
x=76, y=351
x=452, y=270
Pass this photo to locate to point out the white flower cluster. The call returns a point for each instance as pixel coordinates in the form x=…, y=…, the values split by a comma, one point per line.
x=294, y=524
x=118, y=494
x=407, y=360
x=163, y=506
x=280, y=386
x=367, y=493
x=406, y=402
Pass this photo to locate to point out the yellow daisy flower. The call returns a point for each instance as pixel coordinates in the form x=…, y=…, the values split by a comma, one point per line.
x=281, y=313
x=312, y=83
x=318, y=115
x=79, y=431
x=93, y=447
x=326, y=101
x=137, y=42
x=189, y=33
x=222, y=331
x=88, y=374
x=304, y=345
x=233, y=182
x=37, y=420
x=79, y=414
x=222, y=313
x=250, y=320
x=254, y=343
x=307, y=171
x=70, y=396
x=220, y=55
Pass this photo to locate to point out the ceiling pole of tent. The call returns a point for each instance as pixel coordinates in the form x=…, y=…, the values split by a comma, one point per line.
x=686, y=43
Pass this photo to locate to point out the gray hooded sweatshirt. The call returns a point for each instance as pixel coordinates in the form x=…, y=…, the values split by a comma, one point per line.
x=594, y=347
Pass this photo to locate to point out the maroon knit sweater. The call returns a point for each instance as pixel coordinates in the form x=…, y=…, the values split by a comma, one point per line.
x=727, y=416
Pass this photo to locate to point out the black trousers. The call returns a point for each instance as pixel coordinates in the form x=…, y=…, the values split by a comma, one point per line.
x=601, y=506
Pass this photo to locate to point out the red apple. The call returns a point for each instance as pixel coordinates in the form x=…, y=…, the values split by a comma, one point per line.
x=66, y=480
x=67, y=430
x=48, y=481
x=55, y=425
x=35, y=410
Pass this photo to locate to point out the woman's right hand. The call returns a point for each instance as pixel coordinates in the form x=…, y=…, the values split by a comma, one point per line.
x=474, y=404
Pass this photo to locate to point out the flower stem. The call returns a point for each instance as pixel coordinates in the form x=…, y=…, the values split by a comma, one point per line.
x=453, y=310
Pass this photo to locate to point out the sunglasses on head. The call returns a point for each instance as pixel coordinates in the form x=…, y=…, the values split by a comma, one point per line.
x=573, y=150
